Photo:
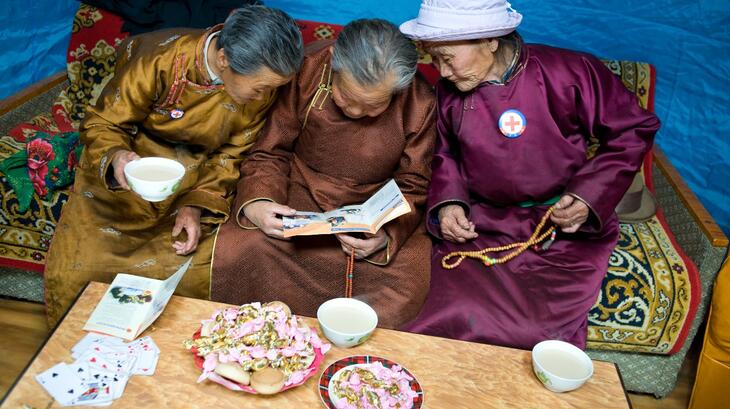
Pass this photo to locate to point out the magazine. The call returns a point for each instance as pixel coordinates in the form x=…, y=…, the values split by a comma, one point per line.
x=385, y=205
x=132, y=303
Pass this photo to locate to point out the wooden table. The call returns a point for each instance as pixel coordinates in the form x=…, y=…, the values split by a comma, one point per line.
x=453, y=374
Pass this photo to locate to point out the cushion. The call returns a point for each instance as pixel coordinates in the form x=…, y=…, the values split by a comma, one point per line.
x=651, y=291
x=25, y=235
x=47, y=164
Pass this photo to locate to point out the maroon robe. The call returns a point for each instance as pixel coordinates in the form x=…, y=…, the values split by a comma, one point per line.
x=566, y=98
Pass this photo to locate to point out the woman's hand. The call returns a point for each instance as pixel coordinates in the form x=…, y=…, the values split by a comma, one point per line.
x=570, y=213
x=119, y=161
x=188, y=219
x=265, y=215
x=455, y=226
x=363, y=247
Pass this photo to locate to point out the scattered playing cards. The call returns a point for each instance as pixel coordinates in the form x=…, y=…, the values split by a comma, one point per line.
x=102, y=368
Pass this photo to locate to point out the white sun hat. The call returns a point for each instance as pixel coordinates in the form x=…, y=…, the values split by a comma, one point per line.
x=447, y=20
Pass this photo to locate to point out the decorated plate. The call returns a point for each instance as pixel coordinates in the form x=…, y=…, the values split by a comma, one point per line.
x=326, y=390
x=313, y=368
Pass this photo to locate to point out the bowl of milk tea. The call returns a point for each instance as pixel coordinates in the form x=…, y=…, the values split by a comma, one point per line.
x=346, y=322
x=561, y=366
x=154, y=178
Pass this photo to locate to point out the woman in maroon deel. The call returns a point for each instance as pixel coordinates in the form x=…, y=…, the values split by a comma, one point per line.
x=515, y=122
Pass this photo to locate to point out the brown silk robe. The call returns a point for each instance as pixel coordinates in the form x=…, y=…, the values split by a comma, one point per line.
x=328, y=162
x=105, y=230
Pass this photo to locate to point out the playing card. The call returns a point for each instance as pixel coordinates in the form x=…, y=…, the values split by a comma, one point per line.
x=97, y=394
x=81, y=370
x=146, y=363
x=102, y=369
x=118, y=384
x=116, y=362
x=143, y=344
x=93, y=338
x=113, y=382
x=61, y=383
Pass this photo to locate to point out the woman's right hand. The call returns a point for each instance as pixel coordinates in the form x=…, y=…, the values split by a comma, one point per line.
x=119, y=161
x=455, y=226
x=265, y=215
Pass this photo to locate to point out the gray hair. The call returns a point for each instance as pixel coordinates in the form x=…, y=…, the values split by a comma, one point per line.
x=371, y=49
x=256, y=36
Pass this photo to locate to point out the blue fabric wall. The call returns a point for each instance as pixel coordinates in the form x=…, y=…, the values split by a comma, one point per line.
x=34, y=36
x=687, y=41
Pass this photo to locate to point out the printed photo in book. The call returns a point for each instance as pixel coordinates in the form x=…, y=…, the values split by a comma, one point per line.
x=132, y=303
x=385, y=205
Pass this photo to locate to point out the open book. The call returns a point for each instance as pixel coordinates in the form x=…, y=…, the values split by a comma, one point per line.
x=132, y=303
x=385, y=205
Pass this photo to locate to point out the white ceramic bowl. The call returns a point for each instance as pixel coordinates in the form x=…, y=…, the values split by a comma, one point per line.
x=561, y=366
x=154, y=178
x=346, y=322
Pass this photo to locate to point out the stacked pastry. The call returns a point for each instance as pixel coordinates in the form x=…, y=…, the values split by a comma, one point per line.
x=261, y=346
x=372, y=386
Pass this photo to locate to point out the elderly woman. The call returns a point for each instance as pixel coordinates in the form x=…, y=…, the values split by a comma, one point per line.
x=195, y=96
x=352, y=119
x=514, y=122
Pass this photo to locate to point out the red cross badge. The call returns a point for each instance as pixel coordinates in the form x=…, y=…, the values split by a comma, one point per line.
x=176, y=113
x=512, y=123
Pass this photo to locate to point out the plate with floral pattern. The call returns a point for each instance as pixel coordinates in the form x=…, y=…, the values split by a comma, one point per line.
x=336, y=369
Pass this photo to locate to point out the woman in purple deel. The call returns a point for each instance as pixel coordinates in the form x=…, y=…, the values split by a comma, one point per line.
x=515, y=122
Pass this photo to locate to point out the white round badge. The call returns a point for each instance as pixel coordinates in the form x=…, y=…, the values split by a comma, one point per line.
x=176, y=113
x=512, y=123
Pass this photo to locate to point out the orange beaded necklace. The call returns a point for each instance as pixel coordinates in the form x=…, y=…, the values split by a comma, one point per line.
x=519, y=247
x=349, y=273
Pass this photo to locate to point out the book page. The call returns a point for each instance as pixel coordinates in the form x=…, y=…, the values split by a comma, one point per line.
x=131, y=303
x=124, y=306
x=167, y=288
x=348, y=219
x=345, y=219
x=385, y=205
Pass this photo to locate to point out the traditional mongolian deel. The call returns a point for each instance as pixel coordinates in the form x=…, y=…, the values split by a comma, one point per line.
x=106, y=230
x=539, y=294
x=314, y=158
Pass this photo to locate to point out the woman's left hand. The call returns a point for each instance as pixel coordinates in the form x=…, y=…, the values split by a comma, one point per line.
x=570, y=213
x=363, y=247
x=188, y=218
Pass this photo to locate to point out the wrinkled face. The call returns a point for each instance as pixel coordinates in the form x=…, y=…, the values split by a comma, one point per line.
x=250, y=87
x=465, y=63
x=357, y=101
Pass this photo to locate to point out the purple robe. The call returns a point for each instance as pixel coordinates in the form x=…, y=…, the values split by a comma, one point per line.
x=566, y=98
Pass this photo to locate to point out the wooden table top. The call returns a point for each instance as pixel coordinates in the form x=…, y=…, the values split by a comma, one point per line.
x=453, y=374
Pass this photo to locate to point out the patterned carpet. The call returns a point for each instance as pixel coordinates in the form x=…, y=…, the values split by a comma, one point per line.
x=649, y=291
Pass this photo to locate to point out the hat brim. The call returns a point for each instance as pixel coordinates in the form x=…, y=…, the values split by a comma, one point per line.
x=421, y=32
x=646, y=210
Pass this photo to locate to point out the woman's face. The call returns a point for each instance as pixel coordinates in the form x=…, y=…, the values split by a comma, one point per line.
x=466, y=63
x=358, y=101
x=252, y=87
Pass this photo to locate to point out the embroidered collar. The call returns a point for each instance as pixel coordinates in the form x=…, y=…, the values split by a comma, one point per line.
x=214, y=79
x=512, y=68
x=200, y=56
